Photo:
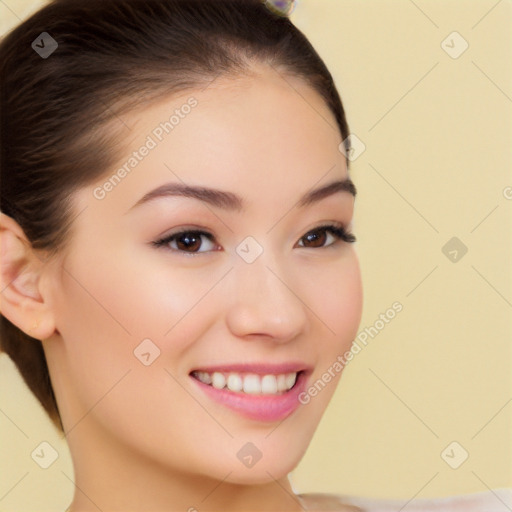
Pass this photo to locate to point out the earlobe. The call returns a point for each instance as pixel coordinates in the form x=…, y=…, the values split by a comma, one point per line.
x=21, y=301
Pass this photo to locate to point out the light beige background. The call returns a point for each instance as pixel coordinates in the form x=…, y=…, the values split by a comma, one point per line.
x=438, y=137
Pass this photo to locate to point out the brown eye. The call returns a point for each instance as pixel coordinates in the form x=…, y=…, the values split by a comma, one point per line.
x=187, y=242
x=316, y=238
x=319, y=237
x=193, y=242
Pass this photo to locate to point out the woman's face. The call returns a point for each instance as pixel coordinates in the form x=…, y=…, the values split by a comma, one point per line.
x=262, y=292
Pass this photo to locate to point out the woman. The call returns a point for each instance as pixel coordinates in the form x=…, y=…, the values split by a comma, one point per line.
x=177, y=267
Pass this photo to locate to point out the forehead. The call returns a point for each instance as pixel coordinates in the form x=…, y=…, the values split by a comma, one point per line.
x=243, y=133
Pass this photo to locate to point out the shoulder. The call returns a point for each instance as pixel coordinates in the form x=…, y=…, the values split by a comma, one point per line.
x=498, y=500
x=319, y=501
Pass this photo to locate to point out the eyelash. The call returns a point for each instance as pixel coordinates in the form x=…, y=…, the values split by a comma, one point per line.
x=337, y=230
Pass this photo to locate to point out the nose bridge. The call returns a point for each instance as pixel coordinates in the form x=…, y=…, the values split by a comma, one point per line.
x=261, y=299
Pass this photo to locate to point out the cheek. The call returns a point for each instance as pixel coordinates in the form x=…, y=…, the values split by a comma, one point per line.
x=338, y=301
x=127, y=299
x=105, y=311
x=106, y=306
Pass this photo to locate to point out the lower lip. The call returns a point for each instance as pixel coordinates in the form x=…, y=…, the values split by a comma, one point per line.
x=269, y=408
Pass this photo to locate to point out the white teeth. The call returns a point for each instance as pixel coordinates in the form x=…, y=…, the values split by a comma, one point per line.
x=235, y=382
x=204, y=377
x=249, y=383
x=290, y=379
x=281, y=382
x=269, y=384
x=252, y=384
x=218, y=380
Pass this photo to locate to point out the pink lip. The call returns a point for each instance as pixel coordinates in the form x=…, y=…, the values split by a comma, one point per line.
x=257, y=368
x=267, y=408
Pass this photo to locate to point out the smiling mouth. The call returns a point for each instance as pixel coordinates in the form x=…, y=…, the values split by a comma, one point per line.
x=247, y=383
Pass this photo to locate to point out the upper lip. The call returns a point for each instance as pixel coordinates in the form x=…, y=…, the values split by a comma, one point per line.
x=256, y=368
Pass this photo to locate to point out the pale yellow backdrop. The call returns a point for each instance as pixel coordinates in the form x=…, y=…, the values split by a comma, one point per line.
x=435, y=119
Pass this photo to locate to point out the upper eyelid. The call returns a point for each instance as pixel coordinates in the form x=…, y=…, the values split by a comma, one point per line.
x=204, y=231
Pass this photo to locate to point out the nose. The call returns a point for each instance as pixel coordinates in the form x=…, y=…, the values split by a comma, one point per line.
x=265, y=302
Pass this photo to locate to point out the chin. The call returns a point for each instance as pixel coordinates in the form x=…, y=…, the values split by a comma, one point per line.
x=259, y=475
x=254, y=460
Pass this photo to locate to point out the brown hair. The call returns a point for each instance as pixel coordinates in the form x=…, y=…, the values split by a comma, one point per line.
x=114, y=55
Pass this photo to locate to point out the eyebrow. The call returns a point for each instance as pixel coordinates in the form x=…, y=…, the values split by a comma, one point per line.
x=230, y=201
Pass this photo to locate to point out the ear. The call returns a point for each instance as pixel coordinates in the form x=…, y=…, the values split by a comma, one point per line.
x=21, y=299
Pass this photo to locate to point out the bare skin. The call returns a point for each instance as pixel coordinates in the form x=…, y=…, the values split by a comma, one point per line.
x=142, y=437
x=146, y=437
